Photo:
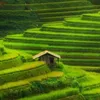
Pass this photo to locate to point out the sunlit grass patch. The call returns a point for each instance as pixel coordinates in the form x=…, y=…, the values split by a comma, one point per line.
x=54, y=95
x=27, y=81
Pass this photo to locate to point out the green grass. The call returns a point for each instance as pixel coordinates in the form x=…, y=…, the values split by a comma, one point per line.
x=92, y=89
x=25, y=86
x=77, y=43
x=74, y=49
x=95, y=91
x=39, y=1
x=8, y=57
x=89, y=81
x=25, y=66
x=82, y=23
x=27, y=81
x=83, y=42
x=70, y=71
x=67, y=9
x=54, y=42
x=91, y=17
x=70, y=54
x=51, y=14
x=14, y=19
x=25, y=71
x=61, y=28
x=89, y=68
x=14, y=13
x=12, y=60
x=24, y=46
x=54, y=35
x=55, y=95
x=1, y=48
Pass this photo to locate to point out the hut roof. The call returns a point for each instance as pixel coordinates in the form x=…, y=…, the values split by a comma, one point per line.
x=46, y=52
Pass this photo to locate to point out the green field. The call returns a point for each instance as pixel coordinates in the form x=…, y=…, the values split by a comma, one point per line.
x=69, y=28
x=75, y=39
x=16, y=16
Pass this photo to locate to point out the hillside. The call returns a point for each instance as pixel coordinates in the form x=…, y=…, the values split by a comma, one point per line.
x=75, y=39
x=18, y=15
x=17, y=74
x=49, y=50
x=81, y=86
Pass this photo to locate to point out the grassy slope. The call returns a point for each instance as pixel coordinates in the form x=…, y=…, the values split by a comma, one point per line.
x=72, y=36
x=32, y=79
x=88, y=80
x=14, y=12
x=55, y=95
x=25, y=66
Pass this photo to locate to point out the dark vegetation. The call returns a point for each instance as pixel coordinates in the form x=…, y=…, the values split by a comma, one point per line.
x=18, y=15
x=75, y=38
x=97, y=2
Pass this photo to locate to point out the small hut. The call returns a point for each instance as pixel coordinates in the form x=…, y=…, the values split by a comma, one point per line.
x=47, y=56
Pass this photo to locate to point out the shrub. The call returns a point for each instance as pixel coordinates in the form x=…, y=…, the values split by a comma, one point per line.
x=59, y=65
x=75, y=84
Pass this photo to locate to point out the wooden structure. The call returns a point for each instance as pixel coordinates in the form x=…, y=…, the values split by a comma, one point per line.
x=47, y=56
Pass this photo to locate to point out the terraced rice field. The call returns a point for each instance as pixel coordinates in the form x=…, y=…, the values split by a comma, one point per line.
x=75, y=39
x=17, y=75
x=90, y=87
x=20, y=15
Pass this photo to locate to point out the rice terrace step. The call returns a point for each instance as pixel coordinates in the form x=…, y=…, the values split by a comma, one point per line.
x=49, y=49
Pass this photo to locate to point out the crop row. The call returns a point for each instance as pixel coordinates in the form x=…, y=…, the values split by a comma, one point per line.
x=46, y=10
x=15, y=14
x=91, y=86
x=67, y=9
x=78, y=12
x=54, y=42
x=83, y=62
x=45, y=5
x=12, y=24
x=15, y=74
x=81, y=23
x=54, y=95
x=57, y=18
x=69, y=55
x=92, y=94
x=91, y=17
x=26, y=46
x=31, y=1
x=51, y=18
x=92, y=69
x=64, y=36
x=62, y=28
x=11, y=62
x=28, y=87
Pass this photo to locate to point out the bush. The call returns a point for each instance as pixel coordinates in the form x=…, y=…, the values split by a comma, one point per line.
x=59, y=65
x=75, y=84
x=95, y=1
x=50, y=84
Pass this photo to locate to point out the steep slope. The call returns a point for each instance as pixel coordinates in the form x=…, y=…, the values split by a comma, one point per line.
x=75, y=39
x=18, y=16
x=8, y=59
